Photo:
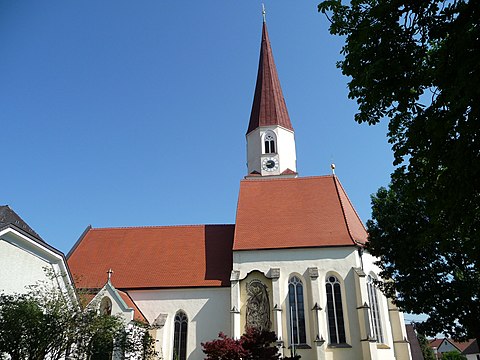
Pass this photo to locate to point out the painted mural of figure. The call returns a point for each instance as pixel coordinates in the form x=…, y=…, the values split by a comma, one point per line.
x=258, y=306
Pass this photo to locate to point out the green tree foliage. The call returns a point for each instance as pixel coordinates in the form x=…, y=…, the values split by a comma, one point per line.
x=453, y=355
x=417, y=65
x=45, y=323
x=427, y=351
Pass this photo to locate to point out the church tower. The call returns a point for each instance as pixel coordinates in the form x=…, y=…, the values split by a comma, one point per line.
x=270, y=135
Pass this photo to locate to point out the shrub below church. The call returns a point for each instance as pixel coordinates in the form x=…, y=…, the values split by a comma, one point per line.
x=253, y=345
x=453, y=355
x=45, y=323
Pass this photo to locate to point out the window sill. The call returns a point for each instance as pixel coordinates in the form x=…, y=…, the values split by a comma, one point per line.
x=301, y=346
x=339, y=346
x=382, y=346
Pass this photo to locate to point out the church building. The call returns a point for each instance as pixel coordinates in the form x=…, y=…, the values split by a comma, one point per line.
x=293, y=262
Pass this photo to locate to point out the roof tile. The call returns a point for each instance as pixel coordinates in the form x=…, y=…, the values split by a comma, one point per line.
x=154, y=257
x=295, y=212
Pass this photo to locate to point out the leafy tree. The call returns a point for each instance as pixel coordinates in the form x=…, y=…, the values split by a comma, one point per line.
x=453, y=355
x=427, y=351
x=416, y=64
x=45, y=323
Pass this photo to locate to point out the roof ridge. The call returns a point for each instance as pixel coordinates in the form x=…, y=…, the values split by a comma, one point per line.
x=134, y=304
x=155, y=226
x=339, y=184
x=8, y=217
x=287, y=178
x=336, y=184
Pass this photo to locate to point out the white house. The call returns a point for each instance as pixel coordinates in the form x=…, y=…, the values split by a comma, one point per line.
x=25, y=259
x=293, y=262
x=468, y=348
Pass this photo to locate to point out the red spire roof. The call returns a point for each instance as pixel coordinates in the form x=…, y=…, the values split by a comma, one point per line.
x=269, y=106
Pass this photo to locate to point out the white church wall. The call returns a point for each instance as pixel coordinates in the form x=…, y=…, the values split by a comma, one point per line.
x=337, y=261
x=286, y=152
x=391, y=318
x=254, y=149
x=334, y=260
x=285, y=148
x=371, y=269
x=294, y=260
x=207, y=309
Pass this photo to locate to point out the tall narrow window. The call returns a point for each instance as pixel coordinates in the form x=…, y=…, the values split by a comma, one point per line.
x=269, y=144
x=180, y=336
x=296, y=311
x=336, y=326
x=374, y=310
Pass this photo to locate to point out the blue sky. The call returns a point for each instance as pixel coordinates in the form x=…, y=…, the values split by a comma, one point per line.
x=122, y=113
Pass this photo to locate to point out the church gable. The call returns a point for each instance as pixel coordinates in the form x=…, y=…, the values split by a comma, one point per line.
x=154, y=257
x=295, y=213
x=111, y=301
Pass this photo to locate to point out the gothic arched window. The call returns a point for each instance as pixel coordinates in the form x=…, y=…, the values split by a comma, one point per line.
x=269, y=142
x=374, y=310
x=180, y=336
x=336, y=326
x=296, y=311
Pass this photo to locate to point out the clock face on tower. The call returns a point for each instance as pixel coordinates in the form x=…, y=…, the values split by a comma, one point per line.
x=270, y=164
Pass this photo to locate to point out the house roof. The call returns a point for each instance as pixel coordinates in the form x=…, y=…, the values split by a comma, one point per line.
x=154, y=257
x=277, y=213
x=466, y=347
x=269, y=106
x=137, y=314
x=471, y=348
x=470, y=344
x=10, y=217
x=435, y=343
x=415, y=349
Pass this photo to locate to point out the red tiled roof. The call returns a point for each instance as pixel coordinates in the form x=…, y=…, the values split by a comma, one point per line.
x=295, y=212
x=288, y=172
x=435, y=343
x=137, y=314
x=462, y=346
x=467, y=347
x=154, y=257
x=269, y=106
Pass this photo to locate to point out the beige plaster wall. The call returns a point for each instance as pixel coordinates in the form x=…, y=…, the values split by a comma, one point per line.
x=337, y=261
x=207, y=309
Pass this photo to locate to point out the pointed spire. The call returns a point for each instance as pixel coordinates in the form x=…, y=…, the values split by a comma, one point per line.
x=269, y=106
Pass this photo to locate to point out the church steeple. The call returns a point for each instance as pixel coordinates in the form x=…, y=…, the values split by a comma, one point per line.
x=269, y=106
x=270, y=134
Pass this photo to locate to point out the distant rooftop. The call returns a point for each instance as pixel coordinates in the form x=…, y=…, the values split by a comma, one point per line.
x=10, y=217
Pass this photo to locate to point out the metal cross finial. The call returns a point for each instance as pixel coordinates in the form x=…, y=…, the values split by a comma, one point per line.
x=333, y=168
x=109, y=272
x=263, y=13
